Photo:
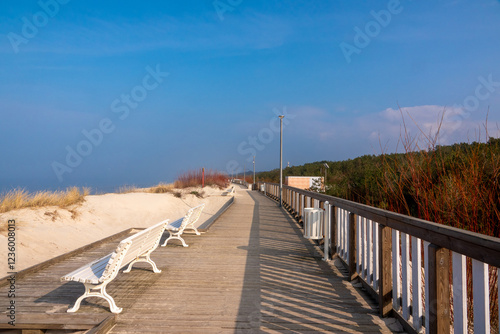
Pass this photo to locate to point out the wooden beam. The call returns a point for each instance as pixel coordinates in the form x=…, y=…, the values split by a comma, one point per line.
x=385, y=270
x=333, y=229
x=439, y=290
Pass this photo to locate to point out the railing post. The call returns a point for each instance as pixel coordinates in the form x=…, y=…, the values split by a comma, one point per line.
x=352, y=246
x=326, y=226
x=385, y=270
x=301, y=208
x=439, y=290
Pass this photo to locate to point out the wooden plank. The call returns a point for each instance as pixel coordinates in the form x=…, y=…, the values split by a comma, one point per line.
x=396, y=287
x=376, y=256
x=416, y=281
x=359, y=250
x=480, y=292
x=439, y=290
x=427, y=284
x=385, y=269
x=105, y=326
x=369, y=248
x=459, y=293
x=406, y=282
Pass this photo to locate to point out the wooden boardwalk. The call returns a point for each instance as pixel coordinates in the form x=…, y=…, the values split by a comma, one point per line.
x=251, y=272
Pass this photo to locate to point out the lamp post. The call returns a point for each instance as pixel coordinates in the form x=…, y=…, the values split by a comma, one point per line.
x=254, y=170
x=281, y=159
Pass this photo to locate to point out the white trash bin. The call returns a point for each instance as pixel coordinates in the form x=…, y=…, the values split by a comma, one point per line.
x=313, y=223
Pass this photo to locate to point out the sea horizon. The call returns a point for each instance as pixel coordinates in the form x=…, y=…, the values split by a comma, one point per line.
x=96, y=187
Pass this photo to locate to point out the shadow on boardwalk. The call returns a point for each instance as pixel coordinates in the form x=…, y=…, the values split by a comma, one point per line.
x=288, y=287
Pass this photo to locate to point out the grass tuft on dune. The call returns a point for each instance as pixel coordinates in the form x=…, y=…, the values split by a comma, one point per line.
x=20, y=198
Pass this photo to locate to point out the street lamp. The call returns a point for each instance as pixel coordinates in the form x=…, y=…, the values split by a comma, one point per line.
x=281, y=159
x=254, y=170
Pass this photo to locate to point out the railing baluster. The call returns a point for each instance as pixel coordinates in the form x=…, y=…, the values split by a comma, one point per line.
x=333, y=227
x=368, y=251
x=459, y=293
x=426, y=284
x=376, y=249
x=326, y=226
x=395, y=270
x=362, y=259
x=359, y=250
x=480, y=293
x=405, y=267
x=416, y=281
x=341, y=233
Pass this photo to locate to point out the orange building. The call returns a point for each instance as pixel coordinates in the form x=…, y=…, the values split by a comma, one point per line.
x=303, y=182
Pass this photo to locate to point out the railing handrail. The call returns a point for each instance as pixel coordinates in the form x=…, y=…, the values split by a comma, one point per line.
x=478, y=246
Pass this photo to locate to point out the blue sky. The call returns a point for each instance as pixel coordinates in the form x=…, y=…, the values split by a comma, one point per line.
x=123, y=92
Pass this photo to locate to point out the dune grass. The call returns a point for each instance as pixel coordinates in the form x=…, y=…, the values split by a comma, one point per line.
x=194, y=179
x=457, y=185
x=162, y=188
x=126, y=189
x=20, y=198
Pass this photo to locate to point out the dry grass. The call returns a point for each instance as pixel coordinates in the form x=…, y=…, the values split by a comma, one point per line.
x=194, y=179
x=20, y=198
x=127, y=189
x=162, y=188
x=457, y=186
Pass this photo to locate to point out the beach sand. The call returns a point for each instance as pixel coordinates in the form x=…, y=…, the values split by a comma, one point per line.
x=44, y=233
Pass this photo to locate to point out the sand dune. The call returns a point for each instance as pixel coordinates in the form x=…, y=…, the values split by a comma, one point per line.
x=44, y=233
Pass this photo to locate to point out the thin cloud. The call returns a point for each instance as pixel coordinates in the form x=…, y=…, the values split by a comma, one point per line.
x=101, y=37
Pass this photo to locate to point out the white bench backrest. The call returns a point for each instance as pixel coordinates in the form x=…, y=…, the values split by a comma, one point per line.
x=196, y=213
x=132, y=247
x=191, y=216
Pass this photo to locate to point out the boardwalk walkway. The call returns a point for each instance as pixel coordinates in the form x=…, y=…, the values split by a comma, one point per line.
x=252, y=272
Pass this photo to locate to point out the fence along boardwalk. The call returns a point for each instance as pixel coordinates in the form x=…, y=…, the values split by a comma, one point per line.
x=251, y=272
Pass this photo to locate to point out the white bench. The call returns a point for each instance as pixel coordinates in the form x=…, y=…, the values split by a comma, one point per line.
x=97, y=274
x=228, y=192
x=177, y=228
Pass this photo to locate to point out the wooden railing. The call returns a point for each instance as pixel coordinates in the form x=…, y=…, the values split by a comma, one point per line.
x=384, y=251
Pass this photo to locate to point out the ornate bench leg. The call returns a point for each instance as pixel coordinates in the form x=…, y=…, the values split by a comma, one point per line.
x=111, y=301
x=196, y=231
x=175, y=237
x=101, y=293
x=79, y=300
x=144, y=259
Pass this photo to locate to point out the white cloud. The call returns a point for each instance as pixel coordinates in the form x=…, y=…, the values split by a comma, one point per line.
x=425, y=123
